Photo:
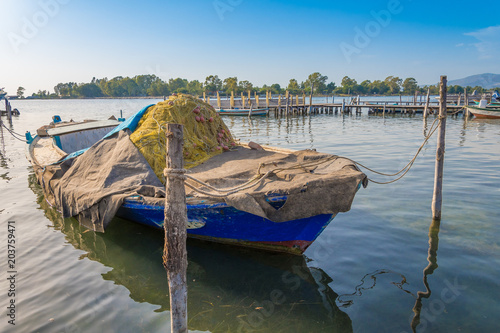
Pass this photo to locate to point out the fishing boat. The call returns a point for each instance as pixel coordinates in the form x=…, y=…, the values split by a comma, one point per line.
x=286, y=212
x=486, y=112
x=243, y=112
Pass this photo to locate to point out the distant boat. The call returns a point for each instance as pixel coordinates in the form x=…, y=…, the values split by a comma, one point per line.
x=242, y=112
x=485, y=113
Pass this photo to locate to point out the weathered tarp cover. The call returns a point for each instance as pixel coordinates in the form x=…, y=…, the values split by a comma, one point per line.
x=93, y=185
x=314, y=183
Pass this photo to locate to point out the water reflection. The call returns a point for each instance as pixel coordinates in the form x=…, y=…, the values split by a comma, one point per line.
x=361, y=287
x=432, y=259
x=229, y=289
x=3, y=154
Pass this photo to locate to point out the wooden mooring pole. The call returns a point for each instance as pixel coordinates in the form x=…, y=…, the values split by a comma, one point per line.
x=437, y=198
x=174, y=251
x=8, y=109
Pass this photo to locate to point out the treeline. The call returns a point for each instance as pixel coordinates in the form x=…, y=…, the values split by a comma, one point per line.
x=151, y=85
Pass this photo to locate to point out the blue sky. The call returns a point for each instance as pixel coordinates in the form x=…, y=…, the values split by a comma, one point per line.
x=44, y=42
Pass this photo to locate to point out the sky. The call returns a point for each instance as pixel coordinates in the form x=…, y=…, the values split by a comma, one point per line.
x=45, y=42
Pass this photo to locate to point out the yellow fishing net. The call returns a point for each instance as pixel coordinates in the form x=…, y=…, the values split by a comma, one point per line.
x=205, y=134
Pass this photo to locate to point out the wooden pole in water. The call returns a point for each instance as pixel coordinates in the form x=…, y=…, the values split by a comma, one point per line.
x=8, y=109
x=311, y=98
x=466, y=103
x=279, y=106
x=437, y=198
x=256, y=99
x=267, y=99
x=286, y=102
x=232, y=100
x=426, y=109
x=242, y=100
x=218, y=101
x=174, y=251
x=204, y=97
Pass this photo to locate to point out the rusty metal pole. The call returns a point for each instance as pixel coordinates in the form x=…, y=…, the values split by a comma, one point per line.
x=174, y=252
x=437, y=198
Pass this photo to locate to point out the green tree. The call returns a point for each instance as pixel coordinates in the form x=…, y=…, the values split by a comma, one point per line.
x=20, y=92
x=276, y=88
x=144, y=82
x=348, y=85
x=195, y=88
x=158, y=88
x=213, y=84
x=364, y=87
x=330, y=87
x=89, y=90
x=231, y=84
x=245, y=86
x=293, y=87
x=317, y=80
x=394, y=83
x=66, y=89
x=130, y=86
x=178, y=85
x=410, y=86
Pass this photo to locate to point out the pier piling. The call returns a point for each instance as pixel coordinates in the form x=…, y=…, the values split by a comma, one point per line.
x=437, y=198
x=174, y=251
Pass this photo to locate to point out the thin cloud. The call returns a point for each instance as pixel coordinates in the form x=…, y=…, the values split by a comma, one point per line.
x=489, y=41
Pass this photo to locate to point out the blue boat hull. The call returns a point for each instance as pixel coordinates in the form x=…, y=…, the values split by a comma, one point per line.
x=224, y=224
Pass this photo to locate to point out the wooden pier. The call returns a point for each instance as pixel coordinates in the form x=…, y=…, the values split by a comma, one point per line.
x=301, y=105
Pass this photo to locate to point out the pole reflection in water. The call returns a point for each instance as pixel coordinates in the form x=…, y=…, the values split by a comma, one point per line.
x=229, y=289
x=432, y=259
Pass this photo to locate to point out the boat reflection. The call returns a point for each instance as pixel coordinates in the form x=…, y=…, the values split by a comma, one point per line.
x=229, y=289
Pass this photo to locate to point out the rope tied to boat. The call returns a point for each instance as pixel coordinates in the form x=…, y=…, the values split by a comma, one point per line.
x=407, y=167
x=14, y=134
x=254, y=181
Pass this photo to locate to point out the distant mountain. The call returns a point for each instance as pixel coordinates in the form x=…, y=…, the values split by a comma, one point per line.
x=487, y=81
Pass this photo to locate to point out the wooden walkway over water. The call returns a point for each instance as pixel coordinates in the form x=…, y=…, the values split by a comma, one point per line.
x=302, y=106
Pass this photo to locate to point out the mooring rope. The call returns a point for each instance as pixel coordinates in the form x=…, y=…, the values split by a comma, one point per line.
x=408, y=166
x=258, y=178
x=13, y=133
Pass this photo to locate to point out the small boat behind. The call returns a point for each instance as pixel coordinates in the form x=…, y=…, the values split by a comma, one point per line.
x=485, y=113
x=483, y=110
x=242, y=112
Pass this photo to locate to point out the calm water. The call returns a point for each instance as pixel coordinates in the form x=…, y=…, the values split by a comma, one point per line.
x=363, y=274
